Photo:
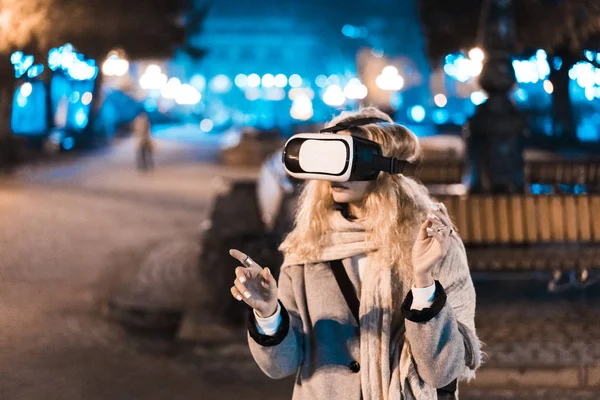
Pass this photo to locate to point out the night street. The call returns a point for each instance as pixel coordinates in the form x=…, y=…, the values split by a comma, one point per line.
x=64, y=234
x=64, y=230
x=386, y=197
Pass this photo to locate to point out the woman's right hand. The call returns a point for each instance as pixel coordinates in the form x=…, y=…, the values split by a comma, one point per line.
x=255, y=286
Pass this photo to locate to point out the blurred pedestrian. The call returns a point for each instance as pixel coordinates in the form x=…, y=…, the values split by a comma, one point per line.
x=145, y=147
x=374, y=299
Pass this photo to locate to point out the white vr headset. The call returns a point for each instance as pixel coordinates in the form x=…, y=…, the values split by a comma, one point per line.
x=338, y=158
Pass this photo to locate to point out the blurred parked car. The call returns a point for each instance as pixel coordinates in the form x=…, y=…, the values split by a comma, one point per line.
x=276, y=194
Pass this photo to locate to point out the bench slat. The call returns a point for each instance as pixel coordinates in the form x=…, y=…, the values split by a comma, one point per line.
x=502, y=220
x=489, y=220
x=517, y=232
x=583, y=216
x=571, y=219
x=474, y=208
x=543, y=213
x=451, y=203
x=557, y=215
x=530, y=219
x=462, y=220
x=595, y=217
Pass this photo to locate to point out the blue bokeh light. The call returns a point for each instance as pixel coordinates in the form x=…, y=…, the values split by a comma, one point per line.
x=478, y=98
x=81, y=118
x=521, y=95
x=35, y=71
x=68, y=143
x=440, y=116
x=16, y=57
x=417, y=113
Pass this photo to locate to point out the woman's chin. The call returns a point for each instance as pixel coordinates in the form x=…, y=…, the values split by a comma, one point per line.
x=341, y=197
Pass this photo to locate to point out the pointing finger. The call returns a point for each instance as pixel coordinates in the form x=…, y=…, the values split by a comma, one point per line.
x=238, y=255
x=243, y=258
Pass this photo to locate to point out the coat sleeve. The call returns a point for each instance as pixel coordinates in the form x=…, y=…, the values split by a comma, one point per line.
x=279, y=355
x=442, y=338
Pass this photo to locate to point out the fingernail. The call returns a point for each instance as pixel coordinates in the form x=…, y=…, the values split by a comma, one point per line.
x=429, y=230
x=242, y=279
x=430, y=215
x=435, y=207
x=239, y=298
x=247, y=294
x=443, y=205
x=268, y=271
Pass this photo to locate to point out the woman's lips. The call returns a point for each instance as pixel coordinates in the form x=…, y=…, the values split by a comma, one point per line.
x=338, y=187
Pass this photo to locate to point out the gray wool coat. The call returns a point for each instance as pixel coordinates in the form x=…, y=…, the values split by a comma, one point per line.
x=321, y=345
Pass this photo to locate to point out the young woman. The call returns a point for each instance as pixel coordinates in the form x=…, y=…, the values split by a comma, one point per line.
x=412, y=332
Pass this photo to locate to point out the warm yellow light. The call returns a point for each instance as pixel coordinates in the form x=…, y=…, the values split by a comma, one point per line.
x=476, y=54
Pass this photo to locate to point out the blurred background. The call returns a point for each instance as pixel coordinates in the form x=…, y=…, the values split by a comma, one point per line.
x=140, y=140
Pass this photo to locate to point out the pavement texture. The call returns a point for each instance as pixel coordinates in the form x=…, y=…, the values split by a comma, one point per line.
x=92, y=229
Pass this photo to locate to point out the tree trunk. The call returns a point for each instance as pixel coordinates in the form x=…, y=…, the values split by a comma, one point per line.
x=94, y=130
x=563, y=120
x=49, y=110
x=8, y=150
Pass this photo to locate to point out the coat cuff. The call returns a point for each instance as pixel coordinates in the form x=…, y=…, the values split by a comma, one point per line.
x=267, y=340
x=426, y=314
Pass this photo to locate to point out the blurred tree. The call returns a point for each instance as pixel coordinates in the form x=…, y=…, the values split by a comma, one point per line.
x=144, y=29
x=24, y=25
x=563, y=28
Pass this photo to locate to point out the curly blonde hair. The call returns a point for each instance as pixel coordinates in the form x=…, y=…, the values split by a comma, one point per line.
x=394, y=206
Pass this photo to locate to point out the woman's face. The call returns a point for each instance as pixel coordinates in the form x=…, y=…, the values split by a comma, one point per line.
x=349, y=192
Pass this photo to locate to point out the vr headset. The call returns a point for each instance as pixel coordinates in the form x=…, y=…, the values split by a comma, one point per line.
x=338, y=158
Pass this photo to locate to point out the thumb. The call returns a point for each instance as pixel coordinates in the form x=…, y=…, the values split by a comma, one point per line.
x=268, y=279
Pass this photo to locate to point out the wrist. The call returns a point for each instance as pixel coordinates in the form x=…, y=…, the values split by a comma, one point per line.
x=423, y=280
x=267, y=313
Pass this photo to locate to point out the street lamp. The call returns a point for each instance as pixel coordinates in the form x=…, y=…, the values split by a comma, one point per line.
x=495, y=134
x=390, y=79
x=334, y=96
x=116, y=64
x=355, y=90
x=153, y=78
x=476, y=54
x=302, y=108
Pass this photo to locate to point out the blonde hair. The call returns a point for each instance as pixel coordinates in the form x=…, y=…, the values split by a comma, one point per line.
x=394, y=207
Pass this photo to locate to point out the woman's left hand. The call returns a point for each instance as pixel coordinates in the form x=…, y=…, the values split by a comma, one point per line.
x=431, y=245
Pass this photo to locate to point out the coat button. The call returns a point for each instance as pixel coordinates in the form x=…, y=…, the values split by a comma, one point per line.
x=354, y=366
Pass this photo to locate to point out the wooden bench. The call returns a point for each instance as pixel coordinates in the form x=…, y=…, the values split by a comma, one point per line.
x=553, y=173
x=525, y=232
x=556, y=173
x=440, y=172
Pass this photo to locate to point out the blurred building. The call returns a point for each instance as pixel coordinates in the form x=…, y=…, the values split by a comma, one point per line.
x=258, y=51
x=279, y=64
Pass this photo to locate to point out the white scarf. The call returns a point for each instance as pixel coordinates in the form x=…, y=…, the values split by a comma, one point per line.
x=386, y=368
